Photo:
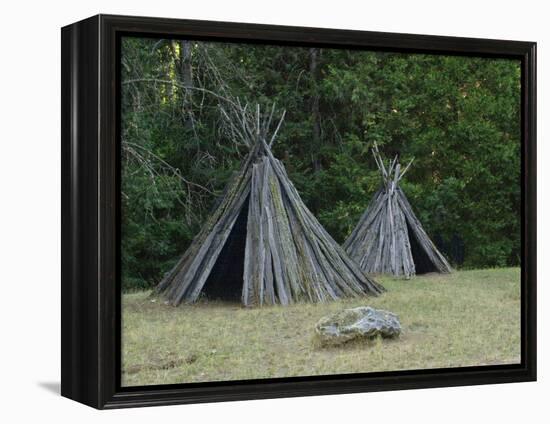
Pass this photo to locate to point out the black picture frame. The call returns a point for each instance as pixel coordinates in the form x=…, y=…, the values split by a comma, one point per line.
x=90, y=286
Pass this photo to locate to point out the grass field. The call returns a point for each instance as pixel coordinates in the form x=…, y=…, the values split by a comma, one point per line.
x=463, y=319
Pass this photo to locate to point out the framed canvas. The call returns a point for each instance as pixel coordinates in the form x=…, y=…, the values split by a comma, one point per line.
x=254, y=211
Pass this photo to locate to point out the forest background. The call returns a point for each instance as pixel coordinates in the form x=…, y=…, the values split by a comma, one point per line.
x=457, y=116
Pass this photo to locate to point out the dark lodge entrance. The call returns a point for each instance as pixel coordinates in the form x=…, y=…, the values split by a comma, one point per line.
x=225, y=282
x=422, y=262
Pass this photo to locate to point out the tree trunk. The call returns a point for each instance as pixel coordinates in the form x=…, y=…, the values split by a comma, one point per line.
x=315, y=118
x=186, y=70
x=186, y=77
x=315, y=115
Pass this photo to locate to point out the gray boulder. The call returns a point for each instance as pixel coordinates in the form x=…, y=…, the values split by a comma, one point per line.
x=363, y=322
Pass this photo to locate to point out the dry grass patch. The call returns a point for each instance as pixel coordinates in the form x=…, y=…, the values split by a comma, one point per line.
x=462, y=319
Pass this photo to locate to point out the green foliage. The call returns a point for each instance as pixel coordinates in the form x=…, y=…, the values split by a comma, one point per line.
x=457, y=116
